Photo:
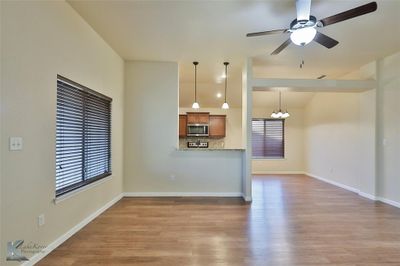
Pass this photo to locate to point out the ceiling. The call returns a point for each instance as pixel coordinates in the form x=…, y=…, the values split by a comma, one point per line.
x=212, y=32
x=207, y=94
x=270, y=99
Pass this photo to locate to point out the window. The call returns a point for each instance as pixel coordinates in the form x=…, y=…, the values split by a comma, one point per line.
x=83, y=138
x=268, y=138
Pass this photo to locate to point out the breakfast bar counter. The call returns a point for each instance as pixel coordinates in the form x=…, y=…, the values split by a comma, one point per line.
x=207, y=149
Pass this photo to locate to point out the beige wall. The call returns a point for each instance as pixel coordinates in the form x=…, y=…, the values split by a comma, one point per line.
x=340, y=139
x=233, y=139
x=367, y=138
x=152, y=165
x=294, y=145
x=388, y=141
x=332, y=137
x=376, y=147
x=39, y=41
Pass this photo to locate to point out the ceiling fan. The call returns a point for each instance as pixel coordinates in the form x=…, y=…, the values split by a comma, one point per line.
x=303, y=29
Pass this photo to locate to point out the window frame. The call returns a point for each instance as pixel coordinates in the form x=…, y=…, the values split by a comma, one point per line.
x=86, y=181
x=283, y=157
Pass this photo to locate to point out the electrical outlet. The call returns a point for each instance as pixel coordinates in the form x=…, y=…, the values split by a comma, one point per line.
x=15, y=143
x=41, y=220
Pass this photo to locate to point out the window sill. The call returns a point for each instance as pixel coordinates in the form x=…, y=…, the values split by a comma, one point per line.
x=81, y=189
x=268, y=159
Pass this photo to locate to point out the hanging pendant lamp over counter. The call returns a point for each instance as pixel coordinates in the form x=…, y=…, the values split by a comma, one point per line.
x=280, y=114
x=195, y=105
x=225, y=105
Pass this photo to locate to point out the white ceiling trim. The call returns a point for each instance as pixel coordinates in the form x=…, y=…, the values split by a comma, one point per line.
x=312, y=85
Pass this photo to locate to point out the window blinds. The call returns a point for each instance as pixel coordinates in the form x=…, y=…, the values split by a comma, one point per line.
x=83, y=138
x=268, y=138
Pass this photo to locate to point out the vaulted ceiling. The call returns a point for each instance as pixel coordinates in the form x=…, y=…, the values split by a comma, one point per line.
x=212, y=32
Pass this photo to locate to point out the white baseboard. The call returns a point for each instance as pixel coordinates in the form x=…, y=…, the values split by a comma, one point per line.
x=390, y=202
x=368, y=196
x=278, y=173
x=352, y=189
x=38, y=256
x=182, y=194
x=362, y=194
x=246, y=198
x=189, y=194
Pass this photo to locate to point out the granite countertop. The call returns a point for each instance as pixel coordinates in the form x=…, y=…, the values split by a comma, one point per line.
x=208, y=149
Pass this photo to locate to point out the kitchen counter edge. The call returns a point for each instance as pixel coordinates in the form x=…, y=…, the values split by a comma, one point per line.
x=207, y=149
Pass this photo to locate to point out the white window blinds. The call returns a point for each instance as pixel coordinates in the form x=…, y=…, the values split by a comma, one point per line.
x=268, y=138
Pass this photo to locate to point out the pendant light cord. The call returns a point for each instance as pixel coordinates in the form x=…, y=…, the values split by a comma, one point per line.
x=195, y=81
x=280, y=101
x=226, y=77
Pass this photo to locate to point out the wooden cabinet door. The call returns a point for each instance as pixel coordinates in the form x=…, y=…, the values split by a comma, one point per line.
x=192, y=118
x=182, y=126
x=203, y=118
x=198, y=118
x=217, y=126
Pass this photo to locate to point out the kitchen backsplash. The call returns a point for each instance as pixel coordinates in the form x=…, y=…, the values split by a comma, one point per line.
x=212, y=143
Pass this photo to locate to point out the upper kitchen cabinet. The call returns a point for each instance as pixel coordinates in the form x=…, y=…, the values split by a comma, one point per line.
x=182, y=126
x=198, y=118
x=217, y=126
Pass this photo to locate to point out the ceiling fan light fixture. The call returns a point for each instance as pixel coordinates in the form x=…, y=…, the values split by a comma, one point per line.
x=303, y=36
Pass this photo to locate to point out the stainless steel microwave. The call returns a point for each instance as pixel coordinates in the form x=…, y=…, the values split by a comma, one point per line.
x=197, y=130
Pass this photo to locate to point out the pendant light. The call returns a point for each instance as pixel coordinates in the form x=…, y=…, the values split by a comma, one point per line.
x=225, y=105
x=280, y=114
x=195, y=105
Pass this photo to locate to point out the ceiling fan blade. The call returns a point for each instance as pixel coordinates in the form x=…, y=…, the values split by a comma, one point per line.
x=324, y=40
x=281, y=47
x=351, y=13
x=268, y=32
x=303, y=9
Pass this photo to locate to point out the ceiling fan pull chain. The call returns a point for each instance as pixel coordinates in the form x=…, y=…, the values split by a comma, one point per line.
x=302, y=57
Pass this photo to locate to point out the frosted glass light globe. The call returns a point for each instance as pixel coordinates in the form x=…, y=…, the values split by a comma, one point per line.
x=195, y=105
x=303, y=36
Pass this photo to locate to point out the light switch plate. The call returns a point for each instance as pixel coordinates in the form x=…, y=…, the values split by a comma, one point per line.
x=41, y=220
x=15, y=143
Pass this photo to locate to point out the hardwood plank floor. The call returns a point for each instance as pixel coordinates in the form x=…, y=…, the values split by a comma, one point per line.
x=293, y=220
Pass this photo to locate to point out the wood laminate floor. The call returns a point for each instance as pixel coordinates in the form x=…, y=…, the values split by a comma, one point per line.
x=293, y=220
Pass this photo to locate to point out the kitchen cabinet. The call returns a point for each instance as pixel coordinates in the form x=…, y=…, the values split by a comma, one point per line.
x=182, y=126
x=217, y=126
x=198, y=118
